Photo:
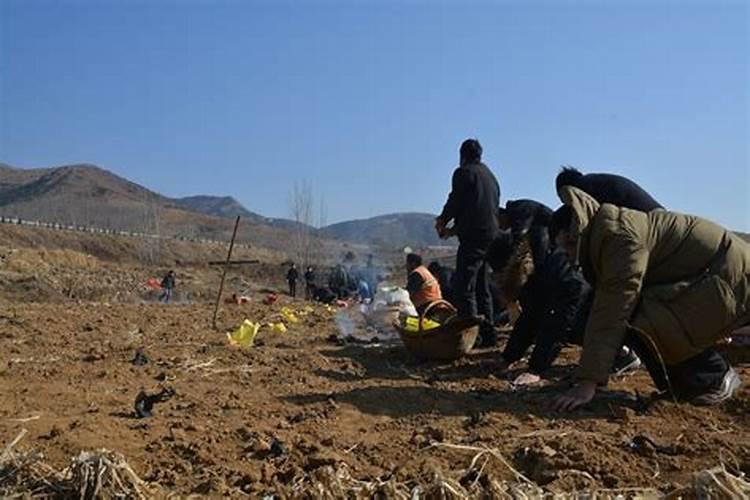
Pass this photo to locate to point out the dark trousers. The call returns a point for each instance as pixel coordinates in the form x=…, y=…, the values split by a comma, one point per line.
x=166, y=295
x=293, y=288
x=471, y=289
x=690, y=378
x=310, y=291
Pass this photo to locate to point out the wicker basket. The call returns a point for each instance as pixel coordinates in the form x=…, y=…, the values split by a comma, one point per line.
x=448, y=342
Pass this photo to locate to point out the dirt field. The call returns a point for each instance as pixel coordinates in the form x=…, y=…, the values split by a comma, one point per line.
x=299, y=412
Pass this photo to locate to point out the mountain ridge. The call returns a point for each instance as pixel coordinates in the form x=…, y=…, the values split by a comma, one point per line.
x=86, y=194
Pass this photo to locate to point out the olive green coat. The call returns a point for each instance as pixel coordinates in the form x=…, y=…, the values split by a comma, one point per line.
x=681, y=280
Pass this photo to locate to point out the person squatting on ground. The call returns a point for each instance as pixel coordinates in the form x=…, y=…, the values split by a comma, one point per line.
x=422, y=286
x=473, y=207
x=309, y=283
x=667, y=285
x=291, y=277
x=168, y=285
x=555, y=301
x=340, y=282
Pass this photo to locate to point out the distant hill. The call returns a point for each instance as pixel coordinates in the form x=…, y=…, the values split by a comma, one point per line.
x=400, y=229
x=226, y=206
x=88, y=195
x=219, y=206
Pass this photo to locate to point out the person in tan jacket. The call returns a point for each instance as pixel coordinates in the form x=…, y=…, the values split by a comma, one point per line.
x=667, y=285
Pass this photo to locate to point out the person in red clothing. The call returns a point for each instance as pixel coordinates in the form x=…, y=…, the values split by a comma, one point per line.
x=422, y=286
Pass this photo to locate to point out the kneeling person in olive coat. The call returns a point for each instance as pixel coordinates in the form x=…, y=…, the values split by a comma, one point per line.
x=667, y=285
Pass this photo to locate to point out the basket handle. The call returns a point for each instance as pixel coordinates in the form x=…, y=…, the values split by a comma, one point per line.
x=432, y=304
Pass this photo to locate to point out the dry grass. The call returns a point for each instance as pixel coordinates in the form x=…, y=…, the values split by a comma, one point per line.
x=474, y=482
x=104, y=474
x=91, y=475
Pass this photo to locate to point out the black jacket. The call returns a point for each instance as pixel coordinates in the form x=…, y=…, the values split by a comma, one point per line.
x=473, y=203
x=553, y=303
x=292, y=275
x=168, y=282
x=309, y=277
x=617, y=190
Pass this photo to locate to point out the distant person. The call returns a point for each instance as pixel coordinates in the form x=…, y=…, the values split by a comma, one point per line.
x=422, y=286
x=309, y=283
x=291, y=277
x=363, y=290
x=473, y=207
x=339, y=282
x=667, y=285
x=444, y=275
x=168, y=285
x=528, y=216
x=608, y=188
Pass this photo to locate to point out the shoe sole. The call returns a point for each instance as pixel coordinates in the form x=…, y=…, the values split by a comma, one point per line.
x=729, y=387
x=630, y=367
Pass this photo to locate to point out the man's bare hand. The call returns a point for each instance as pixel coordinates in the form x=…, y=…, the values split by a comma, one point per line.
x=440, y=227
x=448, y=232
x=575, y=397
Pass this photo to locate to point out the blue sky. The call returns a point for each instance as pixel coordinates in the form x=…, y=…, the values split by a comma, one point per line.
x=369, y=101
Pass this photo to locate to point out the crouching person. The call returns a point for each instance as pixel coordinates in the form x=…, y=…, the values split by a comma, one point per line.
x=667, y=285
x=553, y=297
x=422, y=286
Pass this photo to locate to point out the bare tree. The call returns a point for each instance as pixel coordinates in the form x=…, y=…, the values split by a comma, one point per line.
x=301, y=206
x=321, y=223
x=150, y=227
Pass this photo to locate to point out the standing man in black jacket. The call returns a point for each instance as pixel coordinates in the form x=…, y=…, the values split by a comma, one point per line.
x=309, y=283
x=473, y=207
x=608, y=188
x=291, y=277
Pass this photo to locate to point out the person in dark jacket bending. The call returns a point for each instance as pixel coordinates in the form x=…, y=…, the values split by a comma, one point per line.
x=554, y=302
x=472, y=206
x=608, y=188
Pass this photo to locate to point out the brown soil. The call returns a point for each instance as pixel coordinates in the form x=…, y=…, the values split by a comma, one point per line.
x=274, y=417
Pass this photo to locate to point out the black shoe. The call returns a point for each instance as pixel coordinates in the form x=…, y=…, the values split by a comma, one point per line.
x=625, y=362
x=728, y=387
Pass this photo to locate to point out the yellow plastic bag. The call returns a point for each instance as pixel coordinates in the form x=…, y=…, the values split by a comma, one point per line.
x=305, y=311
x=244, y=336
x=289, y=315
x=412, y=324
x=277, y=327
